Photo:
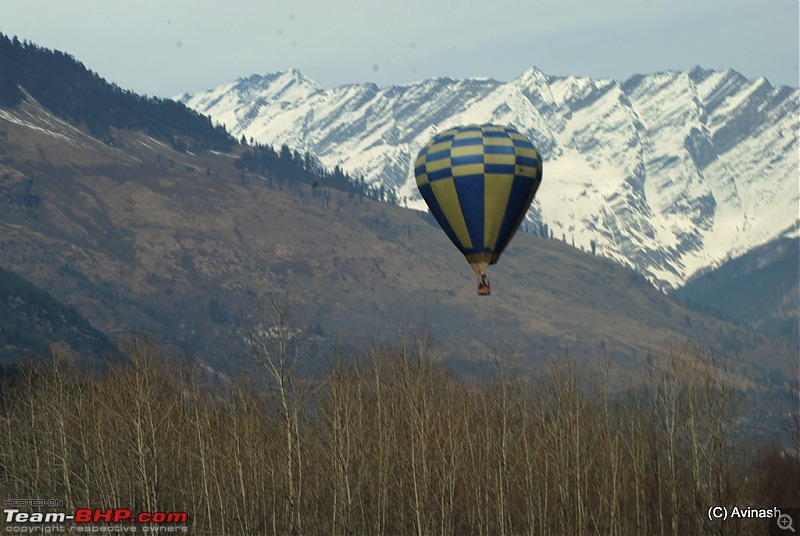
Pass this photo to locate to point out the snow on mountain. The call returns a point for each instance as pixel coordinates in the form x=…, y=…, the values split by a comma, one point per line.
x=670, y=172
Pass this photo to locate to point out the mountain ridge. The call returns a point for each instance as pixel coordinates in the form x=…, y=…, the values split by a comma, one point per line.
x=663, y=172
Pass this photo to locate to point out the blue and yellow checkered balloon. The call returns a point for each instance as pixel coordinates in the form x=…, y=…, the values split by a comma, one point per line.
x=478, y=181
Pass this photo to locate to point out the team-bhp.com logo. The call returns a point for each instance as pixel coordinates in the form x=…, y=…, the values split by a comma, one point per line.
x=90, y=520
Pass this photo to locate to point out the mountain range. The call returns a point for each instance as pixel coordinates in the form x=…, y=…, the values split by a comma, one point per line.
x=151, y=218
x=671, y=173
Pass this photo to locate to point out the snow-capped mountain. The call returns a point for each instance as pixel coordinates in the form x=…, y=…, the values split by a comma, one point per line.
x=670, y=172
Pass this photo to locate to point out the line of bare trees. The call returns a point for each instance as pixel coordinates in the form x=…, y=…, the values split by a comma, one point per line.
x=390, y=442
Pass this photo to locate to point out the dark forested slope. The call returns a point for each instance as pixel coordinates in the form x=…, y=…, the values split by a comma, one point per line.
x=31, y=319
x=64, y=86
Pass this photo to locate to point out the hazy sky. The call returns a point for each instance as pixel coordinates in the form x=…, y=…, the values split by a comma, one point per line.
x=167, y=47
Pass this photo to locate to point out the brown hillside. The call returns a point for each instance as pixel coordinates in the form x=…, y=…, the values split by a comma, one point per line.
x=141, y=236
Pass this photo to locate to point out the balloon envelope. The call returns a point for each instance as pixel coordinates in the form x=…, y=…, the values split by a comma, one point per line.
x=478, y=182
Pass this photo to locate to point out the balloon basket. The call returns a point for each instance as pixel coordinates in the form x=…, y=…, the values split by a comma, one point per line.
x=484, y=289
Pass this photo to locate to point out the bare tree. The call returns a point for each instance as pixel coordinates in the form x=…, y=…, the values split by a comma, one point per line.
x=278, y=346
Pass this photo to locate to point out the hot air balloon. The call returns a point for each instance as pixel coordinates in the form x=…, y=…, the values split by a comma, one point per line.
x=478, y=182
